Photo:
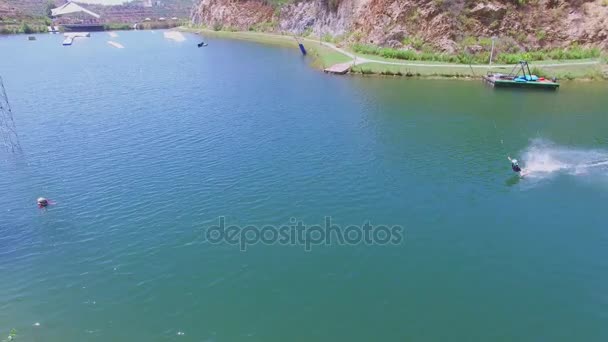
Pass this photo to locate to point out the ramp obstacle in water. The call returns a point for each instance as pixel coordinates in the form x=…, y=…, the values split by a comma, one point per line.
x=301, y=46
x=339, y=69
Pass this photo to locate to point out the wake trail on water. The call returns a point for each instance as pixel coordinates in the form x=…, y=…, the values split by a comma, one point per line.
x=543, y=159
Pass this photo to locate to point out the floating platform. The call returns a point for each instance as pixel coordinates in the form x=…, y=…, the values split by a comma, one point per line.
x=523, y=78
x=69, y=37
x=339, y=69
x=500, y=81
x=116, y=45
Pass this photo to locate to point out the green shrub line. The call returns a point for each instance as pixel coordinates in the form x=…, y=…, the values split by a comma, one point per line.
x=573, y=52
x=23, y=27
x=117, y=27
x=411, y=55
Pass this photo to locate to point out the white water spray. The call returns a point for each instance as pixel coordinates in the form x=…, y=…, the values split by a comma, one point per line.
x=543, y=159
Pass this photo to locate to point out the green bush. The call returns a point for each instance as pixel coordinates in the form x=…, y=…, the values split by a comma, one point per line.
x=327, y=38
x=410, y=55
x=539, y=72
x=573, y=52
x=482, y=57
x=117, y=27
x=541, y=35
x=25, y=28
x=415, y=42
x=7, y=30
x=365, y=71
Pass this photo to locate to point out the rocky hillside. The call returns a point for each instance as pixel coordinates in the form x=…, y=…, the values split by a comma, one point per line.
x=439, y=25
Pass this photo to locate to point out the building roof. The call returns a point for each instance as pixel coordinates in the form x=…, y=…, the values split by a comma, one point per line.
x=71, y=7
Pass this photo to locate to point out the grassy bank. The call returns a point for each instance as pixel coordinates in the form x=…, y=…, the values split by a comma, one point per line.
x=574, y=52
x=570, y=72
x=323, y=56
x=430, y=65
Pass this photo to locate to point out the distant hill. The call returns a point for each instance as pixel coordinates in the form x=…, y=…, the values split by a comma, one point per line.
x=22, y=8
x=130, y=11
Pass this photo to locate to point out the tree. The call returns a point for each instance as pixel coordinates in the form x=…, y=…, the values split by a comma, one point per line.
x=50, y=4
x=25, y=28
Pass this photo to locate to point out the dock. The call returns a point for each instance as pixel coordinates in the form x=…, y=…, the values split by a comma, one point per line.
x=339, y=69
x=69, y=37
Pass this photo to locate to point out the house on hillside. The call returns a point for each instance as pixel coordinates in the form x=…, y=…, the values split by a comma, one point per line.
x=74, y=17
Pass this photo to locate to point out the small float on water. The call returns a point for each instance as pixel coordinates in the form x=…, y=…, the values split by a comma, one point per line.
x=523, y=78
x=201, y=44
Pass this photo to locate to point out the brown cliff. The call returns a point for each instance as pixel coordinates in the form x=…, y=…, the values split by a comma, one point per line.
x=435, y=24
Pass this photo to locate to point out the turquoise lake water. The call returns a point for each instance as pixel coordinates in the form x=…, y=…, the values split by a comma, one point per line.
x=144, y=148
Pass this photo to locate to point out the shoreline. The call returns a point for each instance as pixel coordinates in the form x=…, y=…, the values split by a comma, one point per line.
x=326, y=54
x=28, y=27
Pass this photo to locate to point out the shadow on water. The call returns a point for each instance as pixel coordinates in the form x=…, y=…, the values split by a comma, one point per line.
x=513, y=180
x=526, y=90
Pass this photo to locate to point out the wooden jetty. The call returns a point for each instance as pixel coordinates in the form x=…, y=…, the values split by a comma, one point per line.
x=339, y=69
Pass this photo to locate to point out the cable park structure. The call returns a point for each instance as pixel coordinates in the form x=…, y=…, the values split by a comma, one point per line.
x=8, y=132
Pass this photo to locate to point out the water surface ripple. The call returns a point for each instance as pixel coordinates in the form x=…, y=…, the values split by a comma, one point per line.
x=142, y=148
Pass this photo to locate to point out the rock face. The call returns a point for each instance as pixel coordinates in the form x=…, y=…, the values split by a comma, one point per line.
x=487, y=13
x=439, y=24
x=241, y=15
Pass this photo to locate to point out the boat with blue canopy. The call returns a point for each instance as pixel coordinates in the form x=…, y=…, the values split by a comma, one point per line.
x=520, y=77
